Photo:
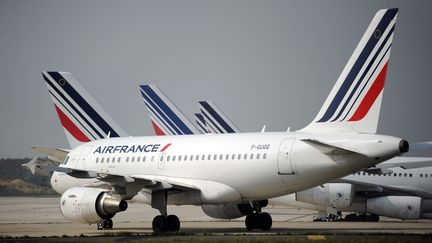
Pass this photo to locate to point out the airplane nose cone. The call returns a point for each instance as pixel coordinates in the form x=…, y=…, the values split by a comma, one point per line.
x=403, y=146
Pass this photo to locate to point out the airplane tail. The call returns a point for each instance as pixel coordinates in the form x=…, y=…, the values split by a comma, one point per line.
x=165, y=117
x=354, y=102
x=201, y=125
x=82, y=118
x=215, y=119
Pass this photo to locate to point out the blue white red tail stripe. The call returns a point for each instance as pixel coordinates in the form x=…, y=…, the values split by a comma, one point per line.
x=216, y=119
x=164, y=114
x=199, y=119
x=355, y=100
x=82, y=117
x=374, y=38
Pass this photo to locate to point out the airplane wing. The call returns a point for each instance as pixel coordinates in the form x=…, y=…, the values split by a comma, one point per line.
x=362, y=186
x=406, y=162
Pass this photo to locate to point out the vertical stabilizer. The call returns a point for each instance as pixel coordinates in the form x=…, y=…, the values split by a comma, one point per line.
x=82, y=118
x=354, y=103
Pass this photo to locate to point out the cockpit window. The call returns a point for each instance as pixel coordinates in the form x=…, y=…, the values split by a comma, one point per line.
x=66, y=160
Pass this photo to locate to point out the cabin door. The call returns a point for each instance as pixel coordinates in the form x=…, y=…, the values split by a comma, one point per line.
x=285, y=157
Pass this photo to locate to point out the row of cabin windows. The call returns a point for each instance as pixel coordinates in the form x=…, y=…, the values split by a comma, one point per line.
x=184, y=158
x=394, y=174
x=214, y=157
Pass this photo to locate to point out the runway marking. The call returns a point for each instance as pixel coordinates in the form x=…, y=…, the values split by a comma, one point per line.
x=316, y=237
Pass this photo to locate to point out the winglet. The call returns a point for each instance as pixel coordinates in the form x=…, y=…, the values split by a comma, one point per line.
x=31, y=165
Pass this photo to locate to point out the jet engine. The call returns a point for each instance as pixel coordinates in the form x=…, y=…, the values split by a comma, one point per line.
x=229, y=211
x=336, y=195
x=400, y=207
x=90, y=205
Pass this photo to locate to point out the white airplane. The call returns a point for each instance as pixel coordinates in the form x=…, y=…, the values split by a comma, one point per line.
x=187, y=169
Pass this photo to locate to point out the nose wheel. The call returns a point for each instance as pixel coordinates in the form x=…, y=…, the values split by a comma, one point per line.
x=105, y=224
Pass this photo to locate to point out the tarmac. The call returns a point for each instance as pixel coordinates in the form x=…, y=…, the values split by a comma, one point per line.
x=41, y=217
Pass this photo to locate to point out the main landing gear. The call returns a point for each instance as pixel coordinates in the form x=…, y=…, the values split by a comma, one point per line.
x=259, y=220
x=163, y=222
x=105, y=224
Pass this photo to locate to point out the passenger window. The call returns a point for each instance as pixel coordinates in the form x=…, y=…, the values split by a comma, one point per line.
x=209, y=157
x=220, y=157
x=226, y=156
x=108, y=160
x=405, y=174
x=421, y=175
x=245, y=156
x=410, y=175
x=132, y=159
x=127, y=159
x=152, y=159
x=251, y=156
x=119, y=159
x=203, y=157
x=138, y=158
x=191, y=158
x=168, y=158
x=264, y=156
x=239, y=156
x=174, y=158
x=215, y=157
x=113, y=159
x=97, y=160
x=258, y=156
x=426, y=175
x=197, y=157
x=400, y=174
x=144, y=158
x=394, y=174
x=102, y=160
x=180, y=158
x=161, y=158
x=233, y=157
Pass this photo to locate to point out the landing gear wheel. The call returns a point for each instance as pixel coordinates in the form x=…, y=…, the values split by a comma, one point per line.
x=100, y=225
x=159, y=224
x=173, y=223
x=265, y=221
x=250, y=221
x=262, y=221
x=105, y=224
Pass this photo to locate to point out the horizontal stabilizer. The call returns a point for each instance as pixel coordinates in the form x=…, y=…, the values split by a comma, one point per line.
x=55, y=153
x=328, y=148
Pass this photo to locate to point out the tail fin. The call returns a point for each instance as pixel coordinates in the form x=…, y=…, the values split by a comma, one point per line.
x=82, y=118
x=201, y=125
x=215, y=119
x=355, y=100
x=166, y=118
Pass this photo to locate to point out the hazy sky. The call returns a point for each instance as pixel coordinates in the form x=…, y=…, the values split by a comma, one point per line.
x=262, y=62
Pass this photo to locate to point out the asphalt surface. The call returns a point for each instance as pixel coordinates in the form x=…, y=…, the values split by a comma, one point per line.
x=41, y=217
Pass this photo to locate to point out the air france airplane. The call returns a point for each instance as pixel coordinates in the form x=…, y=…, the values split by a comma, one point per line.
x=398, y=188
x=339, y=141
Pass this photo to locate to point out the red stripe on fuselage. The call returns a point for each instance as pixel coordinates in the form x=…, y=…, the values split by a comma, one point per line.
x=157, y=130
x=71, y=127
x=164, y=148
x=371, y=96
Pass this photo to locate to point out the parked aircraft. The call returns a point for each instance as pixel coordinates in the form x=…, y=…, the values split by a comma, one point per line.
x=186, y=169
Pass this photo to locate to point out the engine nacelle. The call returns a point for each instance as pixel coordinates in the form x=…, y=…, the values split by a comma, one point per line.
x=229, y=211
x=400, y=207
x=89, y=205
x=336, y=195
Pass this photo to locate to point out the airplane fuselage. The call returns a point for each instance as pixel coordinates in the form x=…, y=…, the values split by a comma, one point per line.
x=236, y=167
